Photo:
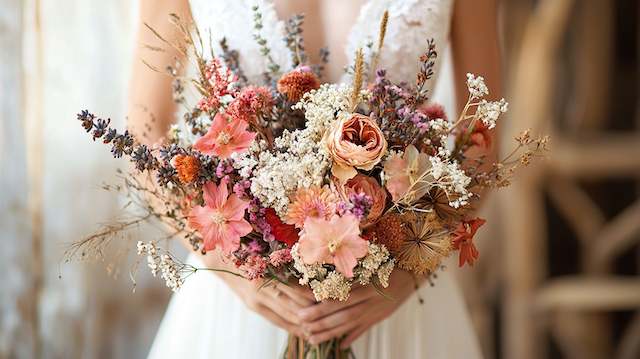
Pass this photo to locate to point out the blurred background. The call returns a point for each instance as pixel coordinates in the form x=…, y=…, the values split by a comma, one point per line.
x=558, y=275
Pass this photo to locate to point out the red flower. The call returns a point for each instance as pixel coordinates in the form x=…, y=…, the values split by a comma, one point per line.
x=463, y=240
x=282, y=232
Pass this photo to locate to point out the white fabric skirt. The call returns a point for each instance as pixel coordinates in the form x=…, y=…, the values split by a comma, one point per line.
x=206, y=319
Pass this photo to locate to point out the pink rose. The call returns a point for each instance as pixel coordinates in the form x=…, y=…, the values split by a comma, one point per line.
x=369, y=186
x=355, y=141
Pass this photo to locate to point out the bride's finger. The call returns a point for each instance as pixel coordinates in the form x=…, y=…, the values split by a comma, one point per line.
x=279, y=321
x=283, y=306
x=336, y=319
x=332, y=333
x=315, y=312
x=303, y=296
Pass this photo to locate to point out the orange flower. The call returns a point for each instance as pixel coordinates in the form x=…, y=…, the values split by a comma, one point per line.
x=316, y=202
x=296, y=83
x=355, y=141
x=389, y=232
x=369, y=186
x=463, y=241
x=187, y=167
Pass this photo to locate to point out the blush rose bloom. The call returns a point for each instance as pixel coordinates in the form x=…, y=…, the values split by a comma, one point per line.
x=355, y=141
x=369, y=186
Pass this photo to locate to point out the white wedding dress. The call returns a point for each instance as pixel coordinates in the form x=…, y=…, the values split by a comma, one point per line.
x=205, y=319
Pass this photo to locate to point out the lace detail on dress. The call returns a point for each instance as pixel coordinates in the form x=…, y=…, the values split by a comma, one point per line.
x=233, y=20
x=411, y=23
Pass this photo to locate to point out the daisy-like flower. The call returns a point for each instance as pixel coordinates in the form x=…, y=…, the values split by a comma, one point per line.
x=220, y=221
x=335, y=241
x=463, y=241
x=426, y=244
x=225, y=136
x=312, y=202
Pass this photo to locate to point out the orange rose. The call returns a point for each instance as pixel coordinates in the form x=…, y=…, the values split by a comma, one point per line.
x=369, y=186
x=354, y=142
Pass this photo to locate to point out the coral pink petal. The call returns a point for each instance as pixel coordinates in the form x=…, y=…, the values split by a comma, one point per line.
x=206, y=144
x=345, y=262
x=218, y=124
x=313, y=246
x=211, y=237
x=233, y=209
x=241, y=227
x=215, y=196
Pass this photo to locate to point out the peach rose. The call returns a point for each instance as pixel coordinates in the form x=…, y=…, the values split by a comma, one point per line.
x=369, y=186
x=354, y=142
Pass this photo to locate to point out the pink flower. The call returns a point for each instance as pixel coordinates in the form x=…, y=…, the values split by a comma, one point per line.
x=314, y=201
x=225, y=136
x=336, y=241
x=251, y=102
x=355, y=141
x=405, y=175
x=221, y=220
x=280, y=257
x=254, y=267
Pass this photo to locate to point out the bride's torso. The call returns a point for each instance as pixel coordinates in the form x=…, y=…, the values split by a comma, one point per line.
x=342, y=26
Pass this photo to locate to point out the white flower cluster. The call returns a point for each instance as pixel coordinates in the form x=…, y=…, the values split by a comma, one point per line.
x=308, y=271
x=476, y=86
x=321, y=105
x=452, y=179
x=333, y=285
x=278, y=175
x=375, y=262
x=489, y=111
x=300, y=160
x=245, y=162
x=161, y=263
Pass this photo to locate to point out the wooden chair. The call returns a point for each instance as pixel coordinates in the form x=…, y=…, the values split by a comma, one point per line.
x=570, y=307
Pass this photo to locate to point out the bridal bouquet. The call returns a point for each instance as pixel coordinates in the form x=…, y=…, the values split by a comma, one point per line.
x=328, y=185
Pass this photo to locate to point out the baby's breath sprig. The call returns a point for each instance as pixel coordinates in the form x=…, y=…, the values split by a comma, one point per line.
x=273, y=68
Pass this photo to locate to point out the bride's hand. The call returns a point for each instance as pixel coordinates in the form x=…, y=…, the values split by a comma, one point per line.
x=278, y=303
x=364, y=308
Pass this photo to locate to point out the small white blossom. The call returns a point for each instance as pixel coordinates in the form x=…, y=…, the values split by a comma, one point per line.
x=489, y=111
x=334, y=286
x=476, y=86
x=164, y=264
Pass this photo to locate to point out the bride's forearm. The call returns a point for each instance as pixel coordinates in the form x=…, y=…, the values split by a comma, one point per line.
x=151, y=109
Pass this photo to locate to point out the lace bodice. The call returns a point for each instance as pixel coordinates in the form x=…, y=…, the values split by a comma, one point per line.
x=411, y=23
